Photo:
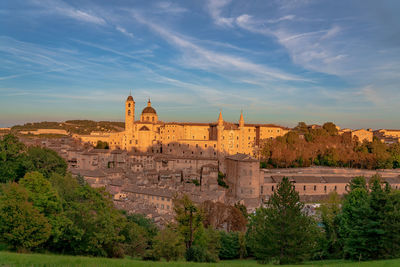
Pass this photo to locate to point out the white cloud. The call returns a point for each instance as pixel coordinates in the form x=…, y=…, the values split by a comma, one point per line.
x=202, y=58
x=214, y=8
x=63, y=9
x=287, y=17
x=331, y=32
x=124, y=31
x=168, y=7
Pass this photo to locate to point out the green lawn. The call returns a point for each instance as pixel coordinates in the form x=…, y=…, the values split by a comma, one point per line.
x=15, y=259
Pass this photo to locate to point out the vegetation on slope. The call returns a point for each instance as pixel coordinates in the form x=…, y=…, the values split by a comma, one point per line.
x=73, y=126
x=304, y=147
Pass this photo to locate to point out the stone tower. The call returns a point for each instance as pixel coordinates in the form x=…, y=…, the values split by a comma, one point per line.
x=129, y=114
x=220, y=130
x=241, y=129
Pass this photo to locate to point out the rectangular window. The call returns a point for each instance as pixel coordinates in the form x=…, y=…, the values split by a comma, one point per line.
x=315, y=188
x=304, y=188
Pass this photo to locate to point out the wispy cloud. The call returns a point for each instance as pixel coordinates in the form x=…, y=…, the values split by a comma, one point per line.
x=124, y=31
x=168, y=7
x=215, y=10
x=202, y=58
x=63, y=9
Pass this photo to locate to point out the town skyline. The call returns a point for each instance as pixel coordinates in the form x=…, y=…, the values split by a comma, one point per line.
x=280, y=62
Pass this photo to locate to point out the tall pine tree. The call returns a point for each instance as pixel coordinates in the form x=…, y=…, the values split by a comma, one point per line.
x=282, y=232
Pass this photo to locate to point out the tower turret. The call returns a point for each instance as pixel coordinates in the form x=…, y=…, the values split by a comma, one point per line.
x=220, y=131
x=241, y=120
x=129, y=113
x=220, y=119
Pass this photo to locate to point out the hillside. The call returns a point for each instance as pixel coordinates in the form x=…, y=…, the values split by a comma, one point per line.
x=72, y=126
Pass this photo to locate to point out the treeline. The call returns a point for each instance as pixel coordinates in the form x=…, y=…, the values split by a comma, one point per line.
x=43, y=208
x=304, y=147
x=72, y=126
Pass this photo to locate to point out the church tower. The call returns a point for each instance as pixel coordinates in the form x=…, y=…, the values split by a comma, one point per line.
x=220, y=130
x=241, y=132
x=129, y=114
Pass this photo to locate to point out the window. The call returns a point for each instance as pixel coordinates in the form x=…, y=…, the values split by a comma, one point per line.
x=129, y=105
x=162, y=198
x=129, y=112
x=272, y=188
x=325, y=188
x=153, y=119
x=304, y=188
x=335, y=187
x=315, y=188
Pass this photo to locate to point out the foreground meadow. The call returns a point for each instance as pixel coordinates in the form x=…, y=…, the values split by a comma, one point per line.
x=15, y=259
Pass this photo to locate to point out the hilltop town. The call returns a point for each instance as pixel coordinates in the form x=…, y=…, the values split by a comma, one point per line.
x=148, y=162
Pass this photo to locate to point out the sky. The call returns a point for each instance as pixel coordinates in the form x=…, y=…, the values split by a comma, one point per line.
x=279, y=61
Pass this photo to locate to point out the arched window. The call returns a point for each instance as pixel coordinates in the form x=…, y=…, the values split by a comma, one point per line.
x=129, y=112
x=147, y=118
x=153, y=119
x=129, y=105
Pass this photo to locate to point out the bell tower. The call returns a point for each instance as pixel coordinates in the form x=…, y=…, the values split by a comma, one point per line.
x=129, y=113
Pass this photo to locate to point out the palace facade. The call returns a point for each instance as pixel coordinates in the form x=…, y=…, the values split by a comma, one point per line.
x=215, y=139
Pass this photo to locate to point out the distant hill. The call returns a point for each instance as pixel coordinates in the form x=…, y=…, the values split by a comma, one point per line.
x=73, y=126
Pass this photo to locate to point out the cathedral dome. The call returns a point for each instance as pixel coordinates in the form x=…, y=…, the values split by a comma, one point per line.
x=149, y=110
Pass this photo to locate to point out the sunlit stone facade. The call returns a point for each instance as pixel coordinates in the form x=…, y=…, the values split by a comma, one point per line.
x=213, y=139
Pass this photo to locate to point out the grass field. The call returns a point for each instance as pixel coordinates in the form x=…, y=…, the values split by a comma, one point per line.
x=15, y=259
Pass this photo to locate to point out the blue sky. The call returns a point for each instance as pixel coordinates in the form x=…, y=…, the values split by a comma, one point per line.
x=278, y=61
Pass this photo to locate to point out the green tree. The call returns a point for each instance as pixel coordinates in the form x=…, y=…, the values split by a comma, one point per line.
x=355, y=223
x=13, y=160
x=189, y=218
x=46, y=161
x=329, y=210
x=282, y=232
x=41, y=193
x=22, y=226
x=330, y=127
x=136, y=239
x=391, y=224
x=229, y=245
x=168, y=244
x=102, y=145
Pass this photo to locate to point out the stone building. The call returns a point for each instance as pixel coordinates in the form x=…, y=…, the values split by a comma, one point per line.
x=360, y=134
x=215, y=140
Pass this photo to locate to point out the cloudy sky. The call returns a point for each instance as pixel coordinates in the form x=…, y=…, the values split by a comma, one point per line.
x=279, y=61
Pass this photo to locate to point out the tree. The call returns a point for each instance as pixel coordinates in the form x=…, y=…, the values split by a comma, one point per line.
x=205, y=247
x=391, y=224
x=355, y=222
x=169, y=245
x=102, y=145
x=330, y=127
x=229, y=245
x=136, y=239
x=41, y=193
x=189, y=218
x=282, y=232
x=13, y=161
x=22, y=226
x=46, y=161
x=329, y=210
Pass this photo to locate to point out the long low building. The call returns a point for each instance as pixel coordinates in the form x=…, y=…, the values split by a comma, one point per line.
x=247, y=182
